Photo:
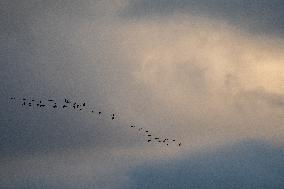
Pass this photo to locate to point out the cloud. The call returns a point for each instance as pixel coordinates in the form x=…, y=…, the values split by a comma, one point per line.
x=183, y=76
x=249, y=164
x=262, y=17
x=195, y=69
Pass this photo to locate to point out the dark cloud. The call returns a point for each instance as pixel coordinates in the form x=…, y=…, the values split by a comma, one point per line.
x=39, y=60
x=83, y=51
x=258, y=16
x=249, y=164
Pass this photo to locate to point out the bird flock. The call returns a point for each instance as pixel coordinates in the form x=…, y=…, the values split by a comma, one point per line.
x=68, y=104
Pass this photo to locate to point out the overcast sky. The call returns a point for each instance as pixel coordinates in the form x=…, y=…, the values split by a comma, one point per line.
x=208, y=73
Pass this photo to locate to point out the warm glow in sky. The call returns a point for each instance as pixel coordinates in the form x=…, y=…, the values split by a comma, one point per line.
x=207, y=73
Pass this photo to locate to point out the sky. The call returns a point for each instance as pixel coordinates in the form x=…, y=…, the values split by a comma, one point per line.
x=208, y=73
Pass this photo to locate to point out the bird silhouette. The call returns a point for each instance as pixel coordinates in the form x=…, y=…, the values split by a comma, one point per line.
x=66, y=101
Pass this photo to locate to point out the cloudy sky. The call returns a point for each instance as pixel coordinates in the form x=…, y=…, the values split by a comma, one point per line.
x=209, y=73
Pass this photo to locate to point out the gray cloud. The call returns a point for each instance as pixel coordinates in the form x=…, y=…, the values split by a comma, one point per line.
x=42, y=58
x=257, y=16
x=249, y=164
x=180, y=77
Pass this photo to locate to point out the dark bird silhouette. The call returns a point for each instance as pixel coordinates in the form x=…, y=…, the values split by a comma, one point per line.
x=30, y=104
x=24, y=104
x=174, y=140
x=54, y=106
x=24, y=99
x=50, y=100
x=156, y=138
x=66, y=101
x=146, y=131
x=84, y=104
x=92, y=111
x=100, y=112
x=132, y=126
x=42, y=105
x=179, y=144
x=149, y=135
x=149, y=140
x=64, y=106
x=33, y=100
x=112, y=118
